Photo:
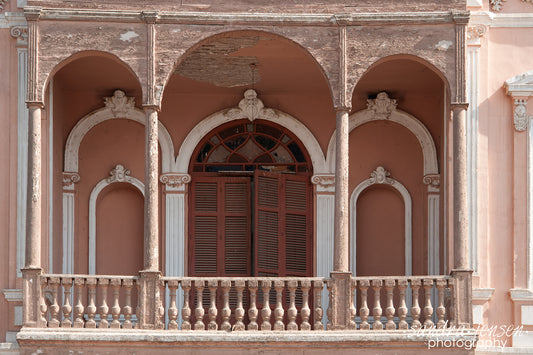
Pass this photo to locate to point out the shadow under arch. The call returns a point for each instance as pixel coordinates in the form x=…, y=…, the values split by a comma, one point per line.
x=91, y=53
x=409, y=57
x=224, y=33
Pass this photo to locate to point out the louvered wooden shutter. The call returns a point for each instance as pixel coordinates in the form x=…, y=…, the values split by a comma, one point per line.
x=283, y=225
x=298, y=225
x=219, y=225
x=268, y=234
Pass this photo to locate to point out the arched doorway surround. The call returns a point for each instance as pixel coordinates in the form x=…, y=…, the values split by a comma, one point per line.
x=250, y=202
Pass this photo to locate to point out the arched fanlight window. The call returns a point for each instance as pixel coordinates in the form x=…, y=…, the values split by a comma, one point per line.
x=249, y=146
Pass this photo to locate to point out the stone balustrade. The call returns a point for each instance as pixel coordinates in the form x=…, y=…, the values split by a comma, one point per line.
x=245, y=304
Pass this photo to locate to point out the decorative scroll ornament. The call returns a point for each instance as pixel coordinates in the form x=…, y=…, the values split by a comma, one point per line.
x=119, y=174
x=382, y=106
x=380, y=176
x=69, y=179
x=475, y=32
x=20, y=32
x=520, y=115
x=324, y=183
x=119, y=103
x=175, y=181
x=252, y=108
x=433, y=182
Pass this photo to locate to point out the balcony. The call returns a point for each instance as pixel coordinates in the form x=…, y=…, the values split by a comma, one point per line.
x=103, y=311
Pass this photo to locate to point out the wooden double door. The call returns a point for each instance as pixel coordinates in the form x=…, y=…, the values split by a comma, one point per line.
x=250, y=224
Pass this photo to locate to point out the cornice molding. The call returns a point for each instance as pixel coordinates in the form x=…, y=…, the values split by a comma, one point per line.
x=211, y=18
x=510, y=20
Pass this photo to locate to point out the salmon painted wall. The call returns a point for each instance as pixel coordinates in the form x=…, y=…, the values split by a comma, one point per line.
x=505, y=53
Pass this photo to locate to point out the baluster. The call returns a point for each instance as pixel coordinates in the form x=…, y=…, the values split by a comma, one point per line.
x=364, y=311
x=160, y=320
x=279, y=285
x=266, y=312
x=252, y=311
x=428, y=309
x=104, y=309
x=172, y=308
x=138, y=309
x=226, y=310
x=402, y=310
x=239, y=311
x=377, y=311
x=186, y=309
x=451, y=305
x=213, y=285
x=54, y=307
x=292, y=312
x=91, y=307
x=67, y=308
x=128, y=285
x=199, y=312
x=329, y=311
x=305, y=312
x=79, y=322
x=42, y=304
x=353, y=311
x=318, y=285
x=115, y=310
x=441, y=310
x=389, y=311
x=415, y=310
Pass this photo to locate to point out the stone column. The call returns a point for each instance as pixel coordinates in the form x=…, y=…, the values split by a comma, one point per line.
x=151, y=201
x=460, y=200
x=342, y=217
x=461, y=271
x=340, y=291
x=31, y=286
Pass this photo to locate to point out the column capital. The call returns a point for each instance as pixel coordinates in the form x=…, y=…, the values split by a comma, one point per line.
x=69, y=179
x=459, y=105
x=151, y=106
x=175, y=181
x=433, y=182
x=150, y=17
x=32, y=13
x=342, y=108
x=324, y=182
x=35, y=104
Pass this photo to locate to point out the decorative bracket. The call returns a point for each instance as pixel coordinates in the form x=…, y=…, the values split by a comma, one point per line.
x=520, y=114
x=20, y=33
x=382, y=106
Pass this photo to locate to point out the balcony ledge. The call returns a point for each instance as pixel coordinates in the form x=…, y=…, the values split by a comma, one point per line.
x=313, y=339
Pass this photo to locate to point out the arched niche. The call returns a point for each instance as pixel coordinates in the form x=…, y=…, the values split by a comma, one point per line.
x=381, y=177
x=118, y=175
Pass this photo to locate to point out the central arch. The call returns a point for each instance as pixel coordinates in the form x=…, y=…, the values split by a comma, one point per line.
x=250, y=202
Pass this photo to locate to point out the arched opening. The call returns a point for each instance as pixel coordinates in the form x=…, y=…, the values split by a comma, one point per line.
x=407, y=136
x=250, y=203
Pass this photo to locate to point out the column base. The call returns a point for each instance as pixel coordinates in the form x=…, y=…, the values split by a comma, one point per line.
x=340, y=318
x=151, y=309
x=462, y=297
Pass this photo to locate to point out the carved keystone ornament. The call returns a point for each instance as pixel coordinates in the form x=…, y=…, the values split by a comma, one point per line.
x=382, y=106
